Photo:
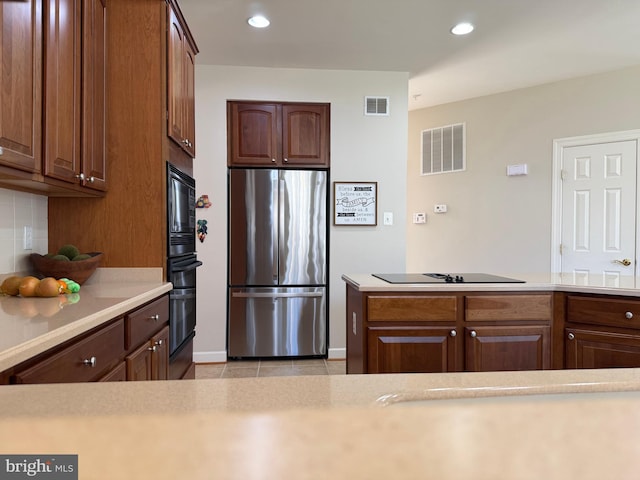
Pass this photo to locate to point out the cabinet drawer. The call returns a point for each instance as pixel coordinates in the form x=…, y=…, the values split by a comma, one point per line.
x=84, y=361
x=508, y=307
x=144, y=322
x=603, y=311
x=397, y=308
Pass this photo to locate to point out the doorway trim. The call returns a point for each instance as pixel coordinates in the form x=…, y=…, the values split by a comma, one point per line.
x=556, y=203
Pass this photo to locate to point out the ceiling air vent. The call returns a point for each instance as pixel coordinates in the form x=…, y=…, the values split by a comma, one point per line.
x=376, y=106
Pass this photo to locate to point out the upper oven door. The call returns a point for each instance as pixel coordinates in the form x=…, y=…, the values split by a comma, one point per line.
x=181, y=213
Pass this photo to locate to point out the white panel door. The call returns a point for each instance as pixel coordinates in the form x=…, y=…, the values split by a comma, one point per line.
x=599, y=209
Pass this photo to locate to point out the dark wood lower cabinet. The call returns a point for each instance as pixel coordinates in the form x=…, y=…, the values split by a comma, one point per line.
x=118, y=374
x=586, y=348
x=150, y=361
x=505, y=348
x=411, y=349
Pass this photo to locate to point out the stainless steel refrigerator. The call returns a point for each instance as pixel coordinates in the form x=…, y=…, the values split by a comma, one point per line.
x=277, y=295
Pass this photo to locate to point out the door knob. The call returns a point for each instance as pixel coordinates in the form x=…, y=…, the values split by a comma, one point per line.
x=626, y=262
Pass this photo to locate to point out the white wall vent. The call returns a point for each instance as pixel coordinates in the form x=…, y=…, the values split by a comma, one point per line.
x=443, y=149
x=376, y=106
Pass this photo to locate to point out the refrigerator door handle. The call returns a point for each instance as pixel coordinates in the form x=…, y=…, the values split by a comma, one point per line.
x=276, y=295
x=281, y=236
x=275, y=225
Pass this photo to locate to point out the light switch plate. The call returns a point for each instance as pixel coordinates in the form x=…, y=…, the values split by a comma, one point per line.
x=387, y=218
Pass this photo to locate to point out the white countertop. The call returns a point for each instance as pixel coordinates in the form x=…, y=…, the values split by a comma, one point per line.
x=30, y=326
x=561, y=282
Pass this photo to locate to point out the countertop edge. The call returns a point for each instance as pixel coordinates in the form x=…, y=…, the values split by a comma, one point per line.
x=15, y=355
x=374, y=284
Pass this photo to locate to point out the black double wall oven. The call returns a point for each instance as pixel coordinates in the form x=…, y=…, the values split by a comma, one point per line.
x=182, y=260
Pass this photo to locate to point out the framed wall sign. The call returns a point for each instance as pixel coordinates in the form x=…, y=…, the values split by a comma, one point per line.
x=355, y=203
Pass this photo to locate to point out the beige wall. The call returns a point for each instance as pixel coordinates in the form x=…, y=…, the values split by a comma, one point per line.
x=362, y=149
x=497, y=223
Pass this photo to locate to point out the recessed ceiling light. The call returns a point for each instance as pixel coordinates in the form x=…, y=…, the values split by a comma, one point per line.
x=462, y=28
x=258, y=21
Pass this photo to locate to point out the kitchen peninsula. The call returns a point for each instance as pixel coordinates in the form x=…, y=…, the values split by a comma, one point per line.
x=90, y=335
x=545, y=321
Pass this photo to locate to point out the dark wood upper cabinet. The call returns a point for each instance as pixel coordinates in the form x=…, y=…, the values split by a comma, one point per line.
x=278, y=134
x=74, y=110
x=21, y=85
x=181, y=82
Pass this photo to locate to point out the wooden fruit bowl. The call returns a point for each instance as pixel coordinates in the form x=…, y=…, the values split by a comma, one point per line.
x=78, y=271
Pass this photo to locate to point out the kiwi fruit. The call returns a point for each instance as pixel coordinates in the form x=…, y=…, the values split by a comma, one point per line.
x=69, y=251
x=82, y=256
x=63, y=258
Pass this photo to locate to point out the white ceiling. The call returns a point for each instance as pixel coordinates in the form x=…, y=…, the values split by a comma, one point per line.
x=516, y=43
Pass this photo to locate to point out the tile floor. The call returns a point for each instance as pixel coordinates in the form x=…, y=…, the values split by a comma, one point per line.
x=270, y=368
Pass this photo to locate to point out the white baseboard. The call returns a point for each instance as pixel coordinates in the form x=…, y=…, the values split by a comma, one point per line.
x=337, y=353
x=221, y=357
x=210, y=357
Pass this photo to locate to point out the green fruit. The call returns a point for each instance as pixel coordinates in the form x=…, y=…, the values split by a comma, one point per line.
x=82, y=256
x=62, y=258
x=69, y=251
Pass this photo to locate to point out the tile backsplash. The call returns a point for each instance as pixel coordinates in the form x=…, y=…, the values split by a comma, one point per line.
x=17, y=211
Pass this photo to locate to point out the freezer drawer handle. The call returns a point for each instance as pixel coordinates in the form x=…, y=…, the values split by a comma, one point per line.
x=276, y=295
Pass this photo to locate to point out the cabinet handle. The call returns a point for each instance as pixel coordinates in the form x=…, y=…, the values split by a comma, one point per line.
x=273, y=160
x=286, y=160
x=80, y=176
x=453, y=333
x=158, y=343
x=155, y=317
x=91, y=362
x=571, y=336
x=91, y=179
x=152, y=349
x=473, y=334
x=628, y=315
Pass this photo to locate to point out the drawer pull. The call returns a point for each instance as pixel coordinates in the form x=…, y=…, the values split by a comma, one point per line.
x=155, y=317
x=571, y=336
x=152, y=349
x=453, y=333
x=628, y=315
x=91, y=362
x=473, y=334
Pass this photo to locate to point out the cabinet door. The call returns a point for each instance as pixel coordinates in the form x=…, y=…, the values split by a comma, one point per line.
x=139, y=363
x=593, y=349
x=62, y=89
x=412, y=349
x=21, y=85
x=503, y=348
x=175, y=80
x=305, y=135
x=253, y=134
x=160, y=355
x=94, y=95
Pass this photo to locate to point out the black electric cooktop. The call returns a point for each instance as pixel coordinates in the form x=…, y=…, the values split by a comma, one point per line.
x=444, y=278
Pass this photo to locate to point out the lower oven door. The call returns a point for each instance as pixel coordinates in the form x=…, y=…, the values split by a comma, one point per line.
x=182, y=305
